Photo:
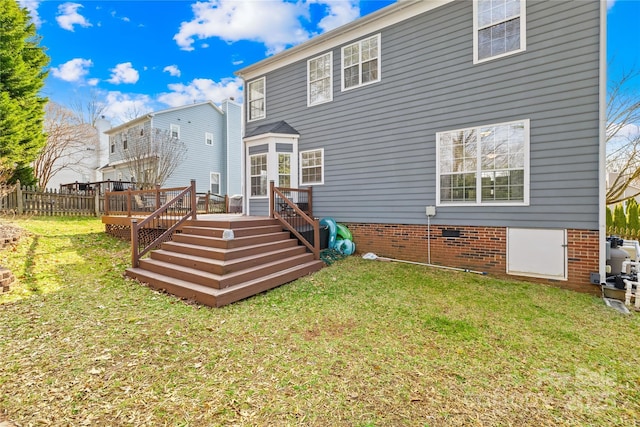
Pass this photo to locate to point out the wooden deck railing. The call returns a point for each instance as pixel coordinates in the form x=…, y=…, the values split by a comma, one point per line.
x=293, y=207
x=160, y=225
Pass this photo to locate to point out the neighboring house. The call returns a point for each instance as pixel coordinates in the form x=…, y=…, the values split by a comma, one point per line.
x=488, y=116
x=631, y=191
x=85, y=167
x=211, y=134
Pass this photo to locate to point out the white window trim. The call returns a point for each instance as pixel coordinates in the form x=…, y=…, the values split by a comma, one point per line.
x=264, y=98
x=211, y=174
x=309, y=103
x=173, y=127
x=266, y=196
x=321, y=182
x=378, y=39
x=208, y=136
x=478, y=202
x=523, y=34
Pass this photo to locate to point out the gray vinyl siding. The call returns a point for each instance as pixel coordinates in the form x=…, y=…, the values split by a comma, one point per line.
x=379, y=140
x=202, y=159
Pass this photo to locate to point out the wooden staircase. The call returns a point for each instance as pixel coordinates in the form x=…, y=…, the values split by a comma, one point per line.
x=198, y=264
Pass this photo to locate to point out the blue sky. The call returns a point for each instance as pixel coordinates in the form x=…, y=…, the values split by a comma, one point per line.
x=145, y=55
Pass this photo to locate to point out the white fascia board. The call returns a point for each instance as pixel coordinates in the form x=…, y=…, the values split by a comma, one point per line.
x=271, y=135
x=374, y=22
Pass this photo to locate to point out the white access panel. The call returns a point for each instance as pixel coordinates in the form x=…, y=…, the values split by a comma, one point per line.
x=537, y=252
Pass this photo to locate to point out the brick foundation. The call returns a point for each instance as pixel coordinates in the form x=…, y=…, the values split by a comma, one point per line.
x=6, y=279
x=474, y=248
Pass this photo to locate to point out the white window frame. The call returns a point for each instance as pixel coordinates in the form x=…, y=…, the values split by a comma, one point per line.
x=377, y=37
x=329, y=78
x=211, y=175
x=208, y=138
x=478, y=168
x=175, y=128
x=302, y=167
x=281, y=173
x=251, y=176
x=477, y=28
x=251, y=118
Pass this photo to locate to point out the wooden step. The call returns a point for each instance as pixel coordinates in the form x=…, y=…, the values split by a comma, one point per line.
x=240, y=232
x=215, y=242
x=222, y=281
x=220, y=297
x=225, y=266
x=232, y=224
x=227, y=254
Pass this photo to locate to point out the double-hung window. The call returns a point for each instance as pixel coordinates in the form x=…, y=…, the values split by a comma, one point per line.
x=259, y=175
x=484, y=165
x=256, y=99
x=208, y=138
x=284, y=170
x=320, y=79
x=312, y=167
x=499, y=28
x=175, y=131
x=361, y=63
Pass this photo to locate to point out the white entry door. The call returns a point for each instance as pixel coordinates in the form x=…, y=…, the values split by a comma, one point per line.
x=537, y=253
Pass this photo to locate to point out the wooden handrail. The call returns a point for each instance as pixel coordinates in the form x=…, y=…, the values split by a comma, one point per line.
x=161, y=217
x=296, y=212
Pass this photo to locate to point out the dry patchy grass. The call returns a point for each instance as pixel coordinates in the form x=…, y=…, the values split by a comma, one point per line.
x=360, y=343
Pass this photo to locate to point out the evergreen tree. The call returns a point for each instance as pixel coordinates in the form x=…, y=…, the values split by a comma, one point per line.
x=619, y=219
x=22, y=75
x=633, y=222
x=609, y=217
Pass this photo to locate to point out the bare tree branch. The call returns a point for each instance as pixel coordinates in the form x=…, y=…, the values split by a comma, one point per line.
x=69, y=143
x=623, y=139
x=151, y=156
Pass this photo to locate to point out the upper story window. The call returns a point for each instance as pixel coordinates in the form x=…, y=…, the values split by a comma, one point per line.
x=256, y=94
x=312, y=167
x=208, y=138
x=320, y=79
x=361, y=63
x=125, y=144
x=175, y=131
x=484, y=165
x=499, y=28
x=113, y=145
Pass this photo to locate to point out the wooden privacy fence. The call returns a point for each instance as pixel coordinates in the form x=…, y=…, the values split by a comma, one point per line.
x=17, y=199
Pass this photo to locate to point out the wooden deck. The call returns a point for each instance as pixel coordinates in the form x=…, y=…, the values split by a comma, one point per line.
x=203, y=264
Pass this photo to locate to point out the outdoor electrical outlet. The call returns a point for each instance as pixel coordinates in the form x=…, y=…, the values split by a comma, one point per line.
x=431, y=211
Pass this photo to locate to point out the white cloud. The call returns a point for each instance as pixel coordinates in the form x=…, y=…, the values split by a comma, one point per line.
x=199, y=90
x=32, y=7
x=124, y=73
x=121, y=107
x=73, y=70
x=68, y=16
x=173, y=70
x=340, y=12
x=93, y=82
x=274, y=23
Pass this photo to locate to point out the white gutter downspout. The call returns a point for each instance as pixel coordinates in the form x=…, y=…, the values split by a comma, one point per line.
x=602, y=222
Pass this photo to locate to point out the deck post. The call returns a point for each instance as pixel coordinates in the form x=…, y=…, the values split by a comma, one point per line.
x=134, y=243
x=316, y=238
x=271, y=198
x=194, y=206
x=157, y=196
x=310, y=200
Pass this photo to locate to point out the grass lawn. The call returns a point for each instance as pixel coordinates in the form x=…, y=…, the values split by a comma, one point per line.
x=360, y=343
